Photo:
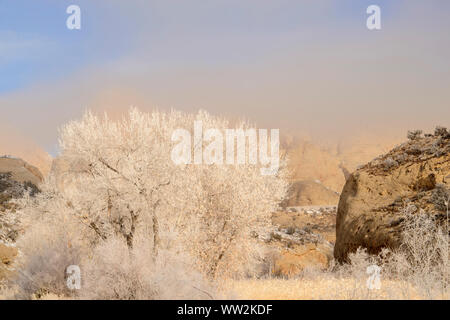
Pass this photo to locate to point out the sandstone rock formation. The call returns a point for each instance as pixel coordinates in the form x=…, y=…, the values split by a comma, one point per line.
x=372, y=205
x=20, y=170
x=13, y=143
x=16, y=178
x=329, y=161
x=310, y=193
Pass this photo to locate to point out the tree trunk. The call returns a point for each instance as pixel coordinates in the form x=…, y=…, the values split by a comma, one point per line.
x=156, y=239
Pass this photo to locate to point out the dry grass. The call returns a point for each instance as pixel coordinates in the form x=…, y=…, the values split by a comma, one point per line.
x=115, y=273
x=419, y=269
x=321, y=288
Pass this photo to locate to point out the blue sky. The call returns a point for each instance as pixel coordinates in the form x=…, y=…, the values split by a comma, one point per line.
x=38, y=47
x=42, y=48
x=300, y=64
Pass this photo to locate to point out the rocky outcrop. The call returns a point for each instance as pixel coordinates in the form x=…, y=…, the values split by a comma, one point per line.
x=20, y=170
x=412, y=177
x=309, y=193
x=305, y=222
x=302, y=239
x=16, y=178
x=23, y=147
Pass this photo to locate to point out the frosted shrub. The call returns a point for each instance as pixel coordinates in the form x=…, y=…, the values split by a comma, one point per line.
x=425, y=252
x=53, y=241
x=115, y=272
x=419, y=266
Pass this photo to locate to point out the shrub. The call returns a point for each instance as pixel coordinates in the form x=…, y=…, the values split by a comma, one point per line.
x=440, y=131
x=114, y=272
x=418, y=268
x=441, y=197
x=414, y=134
x=422, y=259
x=390, y=163
x=49, y=245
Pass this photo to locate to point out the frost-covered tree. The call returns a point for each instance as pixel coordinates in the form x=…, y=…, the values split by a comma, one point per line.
x=119, y=181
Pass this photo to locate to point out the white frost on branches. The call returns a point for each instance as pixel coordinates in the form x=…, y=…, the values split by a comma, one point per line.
x=120, y=182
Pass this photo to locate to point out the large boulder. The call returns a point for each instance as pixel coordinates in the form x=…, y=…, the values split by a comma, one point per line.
x=413, y=177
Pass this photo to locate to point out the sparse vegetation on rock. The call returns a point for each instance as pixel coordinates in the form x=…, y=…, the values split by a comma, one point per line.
x=414, y=134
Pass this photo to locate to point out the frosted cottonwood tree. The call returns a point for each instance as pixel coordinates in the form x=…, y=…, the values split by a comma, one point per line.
x=121, y=182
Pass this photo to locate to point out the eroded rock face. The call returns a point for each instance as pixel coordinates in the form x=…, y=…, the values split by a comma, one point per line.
x=412, y=177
